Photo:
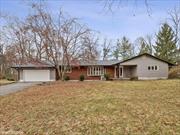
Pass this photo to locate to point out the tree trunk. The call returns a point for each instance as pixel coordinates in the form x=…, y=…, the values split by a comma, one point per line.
x=58, y=73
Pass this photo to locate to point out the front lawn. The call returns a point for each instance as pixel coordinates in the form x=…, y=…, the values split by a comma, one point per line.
x=117, y=107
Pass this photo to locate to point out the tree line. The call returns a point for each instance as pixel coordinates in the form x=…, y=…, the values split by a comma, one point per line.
x=165, y=46
x=62, y=40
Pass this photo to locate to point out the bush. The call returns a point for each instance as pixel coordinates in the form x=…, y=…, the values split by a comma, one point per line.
x=66, y=78
x=135, y=78
x=174, y=72
x=10, y=79
x=81, y=78
x=106, y=76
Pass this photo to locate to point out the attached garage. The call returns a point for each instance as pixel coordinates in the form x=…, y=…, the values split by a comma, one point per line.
x=36, y=75
x=35, y=72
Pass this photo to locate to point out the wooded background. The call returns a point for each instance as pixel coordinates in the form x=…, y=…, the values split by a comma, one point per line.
x=62, y=39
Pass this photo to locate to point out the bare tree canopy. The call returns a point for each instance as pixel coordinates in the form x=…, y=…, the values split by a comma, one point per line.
x=106, y=48
x=58, y=39
x=175, y=20
x=112, y=5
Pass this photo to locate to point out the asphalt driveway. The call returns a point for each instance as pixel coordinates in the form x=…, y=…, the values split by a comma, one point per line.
x=14, y=87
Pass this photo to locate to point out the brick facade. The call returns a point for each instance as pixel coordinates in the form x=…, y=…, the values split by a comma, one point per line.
x=77, y=71
x=110, y=71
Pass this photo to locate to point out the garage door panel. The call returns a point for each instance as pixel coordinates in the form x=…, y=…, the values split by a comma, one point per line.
x=36, y=75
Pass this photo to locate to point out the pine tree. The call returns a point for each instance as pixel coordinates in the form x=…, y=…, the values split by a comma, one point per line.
x=166, y=44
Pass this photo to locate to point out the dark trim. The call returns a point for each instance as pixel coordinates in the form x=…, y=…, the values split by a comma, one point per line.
x=98, y=65
x=93, y=65
x=32, y=67
x=150, y=56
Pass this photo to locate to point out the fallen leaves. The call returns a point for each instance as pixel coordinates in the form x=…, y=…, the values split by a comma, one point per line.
x=124, y=107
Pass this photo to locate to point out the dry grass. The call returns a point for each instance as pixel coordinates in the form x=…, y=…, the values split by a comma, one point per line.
x=4, y=81
x=122, y=107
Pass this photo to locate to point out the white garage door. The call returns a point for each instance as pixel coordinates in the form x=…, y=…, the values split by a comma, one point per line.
x=36, y=75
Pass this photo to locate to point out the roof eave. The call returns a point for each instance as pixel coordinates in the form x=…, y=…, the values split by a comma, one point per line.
x=169, y=63
x=32, y=67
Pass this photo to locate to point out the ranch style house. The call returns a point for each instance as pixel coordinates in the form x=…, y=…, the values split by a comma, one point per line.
x=143, y=67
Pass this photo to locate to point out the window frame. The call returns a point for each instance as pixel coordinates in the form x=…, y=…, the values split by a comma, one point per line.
x=95, y=70
x=153, y=68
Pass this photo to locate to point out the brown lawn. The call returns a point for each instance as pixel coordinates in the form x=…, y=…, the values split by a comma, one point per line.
x=119, y=107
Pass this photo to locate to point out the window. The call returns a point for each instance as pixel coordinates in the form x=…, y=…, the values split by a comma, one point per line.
x=95, y=71
x=153, y=67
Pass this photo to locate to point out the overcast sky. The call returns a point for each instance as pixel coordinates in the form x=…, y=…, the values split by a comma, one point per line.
x=130, y=19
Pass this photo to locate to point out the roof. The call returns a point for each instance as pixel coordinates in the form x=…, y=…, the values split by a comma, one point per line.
x=33, y=64
x=147, y=54
x=99, y=63
x=43, y=64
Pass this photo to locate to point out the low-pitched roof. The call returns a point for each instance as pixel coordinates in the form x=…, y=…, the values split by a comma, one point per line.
x=147, y=54
x=33, y=64
x=43, y=64
x=99, y=63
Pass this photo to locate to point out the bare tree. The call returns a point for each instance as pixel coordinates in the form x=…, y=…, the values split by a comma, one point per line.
x=144, y=45
x=111, y=5
x=16, y=34
x=89, y=47
x=175, y=19
x=60, y=37
x=106, y=48
x=35, y=27
x=7, y=57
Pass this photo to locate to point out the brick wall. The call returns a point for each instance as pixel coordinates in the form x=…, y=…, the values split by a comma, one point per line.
x=77, y=71
x=110, y=71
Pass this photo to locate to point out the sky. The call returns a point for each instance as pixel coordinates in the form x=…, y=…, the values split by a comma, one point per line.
x=129, y=18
